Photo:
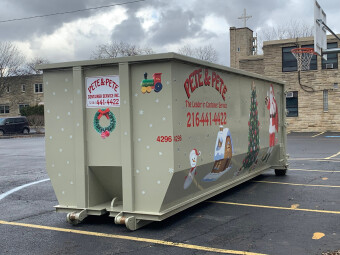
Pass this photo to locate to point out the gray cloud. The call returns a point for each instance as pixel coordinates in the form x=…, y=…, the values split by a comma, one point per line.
x=174, y=25
x=129, y=30
x=178, y=20
x=20, y=30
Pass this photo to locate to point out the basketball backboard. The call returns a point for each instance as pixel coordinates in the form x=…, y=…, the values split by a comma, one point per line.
x=320, y=35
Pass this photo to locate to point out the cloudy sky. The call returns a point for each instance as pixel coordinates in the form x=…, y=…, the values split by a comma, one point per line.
x=163, y=25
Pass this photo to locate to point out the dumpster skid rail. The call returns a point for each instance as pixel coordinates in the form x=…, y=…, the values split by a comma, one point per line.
x=140, y=150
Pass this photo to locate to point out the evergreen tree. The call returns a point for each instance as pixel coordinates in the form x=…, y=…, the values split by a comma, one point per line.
x=253, y=135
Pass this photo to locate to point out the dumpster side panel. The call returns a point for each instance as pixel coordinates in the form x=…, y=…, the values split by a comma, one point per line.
x=152, y=135
x=224, y=124
x=61, y=130
x=103, y=151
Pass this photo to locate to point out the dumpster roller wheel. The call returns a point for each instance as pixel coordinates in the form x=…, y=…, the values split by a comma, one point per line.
x=130, y=222
x=280, y=172
x=75, y=218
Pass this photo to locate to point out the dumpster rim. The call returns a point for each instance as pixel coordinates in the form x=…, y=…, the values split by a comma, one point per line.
x=153, y=58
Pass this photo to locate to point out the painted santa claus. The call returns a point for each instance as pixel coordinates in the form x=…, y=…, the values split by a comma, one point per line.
x=273, y=121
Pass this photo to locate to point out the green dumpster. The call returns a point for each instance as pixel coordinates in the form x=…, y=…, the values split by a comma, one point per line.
x=142, y=138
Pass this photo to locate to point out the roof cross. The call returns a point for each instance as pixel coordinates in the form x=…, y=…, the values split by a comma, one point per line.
x=245, y=17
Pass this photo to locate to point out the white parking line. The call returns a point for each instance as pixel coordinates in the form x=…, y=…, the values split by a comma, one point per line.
x=3, y=195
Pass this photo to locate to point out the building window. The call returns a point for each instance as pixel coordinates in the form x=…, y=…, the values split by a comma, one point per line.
x=332, y=59
x=289, y=63
x=292, y=105
x=21, y=106
x=325, y=100
x=238, y=49
x=8, y=89
x=23, y=88
x=4, y=109
x=38, y=88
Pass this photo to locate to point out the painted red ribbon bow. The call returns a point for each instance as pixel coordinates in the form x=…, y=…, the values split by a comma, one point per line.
x=105, y=134
x=105, y=112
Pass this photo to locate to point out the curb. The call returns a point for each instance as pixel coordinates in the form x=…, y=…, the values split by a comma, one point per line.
x=21, y=136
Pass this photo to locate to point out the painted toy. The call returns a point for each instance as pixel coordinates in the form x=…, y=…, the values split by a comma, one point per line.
x=147, y=85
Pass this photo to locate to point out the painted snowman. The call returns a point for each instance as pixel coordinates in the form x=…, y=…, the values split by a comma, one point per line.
x=193, y=163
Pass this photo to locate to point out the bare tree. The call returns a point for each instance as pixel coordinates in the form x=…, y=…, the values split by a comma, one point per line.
x=31, y=65
x=207, y=53
x=36, y=122
x=119, y=49
x=290, y=30
x=187, y=50
x=12, y=63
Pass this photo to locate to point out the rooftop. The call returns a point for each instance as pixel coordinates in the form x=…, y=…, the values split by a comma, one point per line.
x=295, y=40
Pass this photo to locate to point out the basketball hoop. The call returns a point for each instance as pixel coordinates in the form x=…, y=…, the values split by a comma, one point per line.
x=303, y=57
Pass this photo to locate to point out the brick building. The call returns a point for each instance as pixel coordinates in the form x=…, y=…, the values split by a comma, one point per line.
x=20, y=91
x=312, y=103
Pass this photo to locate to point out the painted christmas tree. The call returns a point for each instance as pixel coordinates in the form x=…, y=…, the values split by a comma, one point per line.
x=253, y=135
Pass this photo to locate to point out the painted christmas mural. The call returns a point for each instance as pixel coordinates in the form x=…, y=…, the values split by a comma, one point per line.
x=104, y=131
x=273, y=121
x=193, y=163
x=253, y=133
x=155, y=84
x=223, y=155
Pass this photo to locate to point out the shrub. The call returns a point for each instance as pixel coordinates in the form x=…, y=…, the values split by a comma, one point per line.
x=35, y=116
x=32, y=110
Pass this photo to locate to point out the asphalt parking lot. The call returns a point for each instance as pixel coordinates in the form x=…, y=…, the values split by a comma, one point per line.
x=295, y=214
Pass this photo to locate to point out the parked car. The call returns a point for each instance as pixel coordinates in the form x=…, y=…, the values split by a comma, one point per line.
x=10, y=125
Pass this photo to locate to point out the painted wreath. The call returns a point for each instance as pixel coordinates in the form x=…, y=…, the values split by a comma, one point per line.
x=104, y=131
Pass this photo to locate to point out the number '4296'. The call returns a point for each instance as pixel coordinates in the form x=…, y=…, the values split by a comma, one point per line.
x=164, y=139
x=168, y=139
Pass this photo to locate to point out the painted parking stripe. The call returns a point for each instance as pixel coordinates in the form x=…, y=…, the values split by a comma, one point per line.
x=318, y=134
x=131, y=238
x=315, y=170
x=314, y=159
x=292, y=208
x=3, y=195
x=299, y=184
x=336, y=154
